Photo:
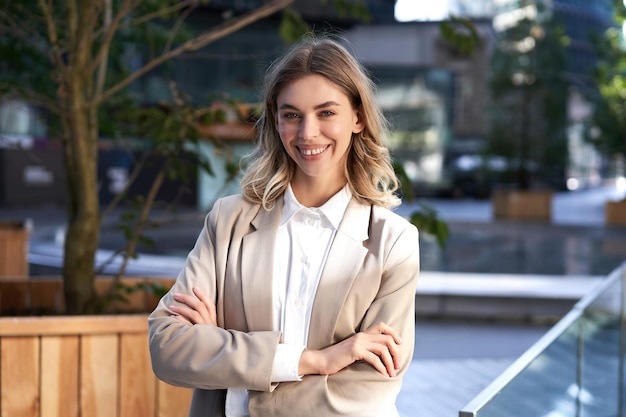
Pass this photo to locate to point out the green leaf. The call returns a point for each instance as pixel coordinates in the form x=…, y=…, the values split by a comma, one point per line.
x=460, y=34
x=426, y=219
x=292, y=26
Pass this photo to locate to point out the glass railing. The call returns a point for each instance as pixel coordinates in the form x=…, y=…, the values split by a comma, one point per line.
x=577, y=369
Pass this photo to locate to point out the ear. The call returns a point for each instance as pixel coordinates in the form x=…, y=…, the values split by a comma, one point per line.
x=359, y=122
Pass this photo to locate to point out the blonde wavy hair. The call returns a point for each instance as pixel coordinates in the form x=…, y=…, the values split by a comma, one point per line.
x=369, y=171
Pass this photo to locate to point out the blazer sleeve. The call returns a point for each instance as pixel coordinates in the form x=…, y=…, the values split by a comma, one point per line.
x=206, y=356
x=360, y=390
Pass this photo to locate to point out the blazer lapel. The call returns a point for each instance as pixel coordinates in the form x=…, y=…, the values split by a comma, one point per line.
x=257, y=268
x=345, y=259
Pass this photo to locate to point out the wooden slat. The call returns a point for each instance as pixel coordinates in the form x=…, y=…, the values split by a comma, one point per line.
x=63, y=325
x=99, y=376
x=172, y=401
x=136, y=377
x=59, y=376
x=19, y=380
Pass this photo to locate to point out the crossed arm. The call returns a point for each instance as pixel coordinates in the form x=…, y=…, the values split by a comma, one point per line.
x=378, y=345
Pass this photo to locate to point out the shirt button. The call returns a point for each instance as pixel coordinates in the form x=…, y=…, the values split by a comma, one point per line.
x=304, y=259
x=298, y=303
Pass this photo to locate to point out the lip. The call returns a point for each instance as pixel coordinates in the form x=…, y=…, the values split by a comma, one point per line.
x=309, y=151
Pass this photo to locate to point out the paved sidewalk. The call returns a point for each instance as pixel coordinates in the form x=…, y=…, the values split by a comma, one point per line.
x=455, y=360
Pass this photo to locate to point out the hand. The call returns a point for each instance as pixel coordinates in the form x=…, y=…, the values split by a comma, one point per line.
x=198, y=308
x=378, y=346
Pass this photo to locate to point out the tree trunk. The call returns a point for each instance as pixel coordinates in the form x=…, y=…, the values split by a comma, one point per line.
x=81, y=158
x=83, y=222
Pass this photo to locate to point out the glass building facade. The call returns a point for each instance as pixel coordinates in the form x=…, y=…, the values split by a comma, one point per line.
x=581, y=20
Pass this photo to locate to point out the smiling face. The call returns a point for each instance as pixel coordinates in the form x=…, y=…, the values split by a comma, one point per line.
x=315, y=121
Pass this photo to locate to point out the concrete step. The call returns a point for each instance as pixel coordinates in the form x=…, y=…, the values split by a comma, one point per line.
x=500, y=296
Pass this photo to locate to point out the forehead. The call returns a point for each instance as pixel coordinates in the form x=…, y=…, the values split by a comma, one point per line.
x=313, y=89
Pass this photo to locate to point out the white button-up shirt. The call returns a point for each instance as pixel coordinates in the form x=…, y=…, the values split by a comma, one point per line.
x=302, y=245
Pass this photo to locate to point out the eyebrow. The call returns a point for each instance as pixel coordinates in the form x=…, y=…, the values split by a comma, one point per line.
x=319, y=106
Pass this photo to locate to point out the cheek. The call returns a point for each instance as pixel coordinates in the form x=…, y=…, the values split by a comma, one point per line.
x=285, y=131
x=284, y=136
x=341, y=134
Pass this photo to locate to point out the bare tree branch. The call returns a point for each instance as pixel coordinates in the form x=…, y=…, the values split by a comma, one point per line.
x=102, y=68
x=32, y=97
x=198, y=42
x=181, y=19
x=114, y=203
x=23, y=30
x=162, y=12
x=109, y=32
x=53, y=38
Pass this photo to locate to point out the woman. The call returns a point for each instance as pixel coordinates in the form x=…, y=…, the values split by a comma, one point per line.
x=298, y=297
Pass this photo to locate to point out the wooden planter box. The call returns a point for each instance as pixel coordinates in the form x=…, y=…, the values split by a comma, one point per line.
x=14, y=237
x=77, y=366
x=522, y=205
x=96, y=366
x=615, y=213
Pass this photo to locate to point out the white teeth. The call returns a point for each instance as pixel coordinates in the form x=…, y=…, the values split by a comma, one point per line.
x=309, y=152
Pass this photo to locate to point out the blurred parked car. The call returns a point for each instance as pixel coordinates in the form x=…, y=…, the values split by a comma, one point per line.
x=475, y=175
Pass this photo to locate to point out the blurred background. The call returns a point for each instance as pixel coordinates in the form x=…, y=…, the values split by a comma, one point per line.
x=485, y=98
x=481, y=94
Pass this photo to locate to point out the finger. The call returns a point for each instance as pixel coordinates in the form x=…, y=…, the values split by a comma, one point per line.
x=201, y=295
x=394, y=351
x=208, y=304
x=378, y=350
x=191, y=315
x=385, y=356
x=375, y=360
x=212, y=314
x=196, y=305
x=188, y=299
x=391, y=341
x=384, y=328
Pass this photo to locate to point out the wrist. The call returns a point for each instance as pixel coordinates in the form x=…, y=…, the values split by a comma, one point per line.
x=309, y=363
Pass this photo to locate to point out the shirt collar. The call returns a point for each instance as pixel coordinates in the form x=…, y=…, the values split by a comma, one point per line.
x=333, y=209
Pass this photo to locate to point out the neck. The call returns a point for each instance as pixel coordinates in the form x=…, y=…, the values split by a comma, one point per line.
x=312, y=193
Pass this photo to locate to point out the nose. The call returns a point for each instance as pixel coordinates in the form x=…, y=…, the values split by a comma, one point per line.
x=309, y=128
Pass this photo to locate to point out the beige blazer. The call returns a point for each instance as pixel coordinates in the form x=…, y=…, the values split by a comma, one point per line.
x=370, y=276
